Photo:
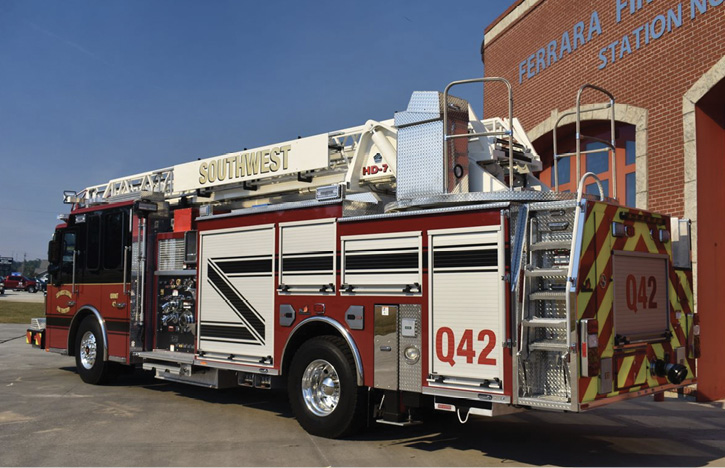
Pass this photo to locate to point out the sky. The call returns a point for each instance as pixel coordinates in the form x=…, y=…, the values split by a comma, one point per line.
x=94, y=90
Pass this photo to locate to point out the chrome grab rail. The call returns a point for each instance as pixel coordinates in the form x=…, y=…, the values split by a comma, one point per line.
x=508, y=132
x=73, y=275
x=126, y=290
x=610, y=144
x=580, y=189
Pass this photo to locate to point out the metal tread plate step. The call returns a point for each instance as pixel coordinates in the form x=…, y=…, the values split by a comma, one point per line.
x=548, y=401
x=544, y=272
x=548, y=296
x=170, y=356
x=547, y=346
x=553, y=205
x=551, y=245
x=545, y=322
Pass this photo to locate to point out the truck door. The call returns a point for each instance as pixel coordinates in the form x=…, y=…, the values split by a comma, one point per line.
x=114, y=263
x=62, y=299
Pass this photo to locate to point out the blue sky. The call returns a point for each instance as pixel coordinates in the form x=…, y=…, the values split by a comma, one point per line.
x=94, y=90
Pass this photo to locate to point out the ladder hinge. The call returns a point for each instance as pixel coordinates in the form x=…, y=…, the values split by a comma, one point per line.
x=304, y=178
x=508, y=344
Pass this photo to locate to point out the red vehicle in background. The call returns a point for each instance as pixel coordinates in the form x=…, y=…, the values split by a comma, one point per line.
x=17, y=282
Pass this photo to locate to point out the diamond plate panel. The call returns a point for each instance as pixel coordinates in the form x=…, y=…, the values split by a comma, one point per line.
x=410, y=375
x=420, y=170
x=358, y=208
x=431, y=102
x=545, y=374
x=473, y=197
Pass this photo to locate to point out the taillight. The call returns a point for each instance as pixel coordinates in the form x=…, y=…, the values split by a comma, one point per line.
x=695, y=336
x=589, y=339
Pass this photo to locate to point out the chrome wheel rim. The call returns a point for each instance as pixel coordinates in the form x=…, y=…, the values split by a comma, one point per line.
x=88, y=350
x=321, y=388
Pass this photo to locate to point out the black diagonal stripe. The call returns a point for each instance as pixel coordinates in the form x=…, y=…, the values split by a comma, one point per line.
x=245, y=266
x=216, y=331
x=241, y=318
x=321, y=263
x=465, y=258
x=381, y=261
x=236, y=300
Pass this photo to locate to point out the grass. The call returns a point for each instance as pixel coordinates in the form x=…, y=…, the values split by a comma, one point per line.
x=20, y=312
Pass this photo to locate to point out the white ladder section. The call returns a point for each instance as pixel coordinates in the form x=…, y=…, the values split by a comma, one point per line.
x=347, y=152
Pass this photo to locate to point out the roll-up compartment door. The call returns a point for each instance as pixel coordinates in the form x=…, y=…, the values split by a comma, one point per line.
x=467, y=307
x=236, y=284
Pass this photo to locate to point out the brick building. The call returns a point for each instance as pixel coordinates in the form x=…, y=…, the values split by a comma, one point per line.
x=664, y=62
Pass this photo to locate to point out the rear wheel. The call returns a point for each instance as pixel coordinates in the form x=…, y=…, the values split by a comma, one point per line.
x=323, y=389
x=89, y=353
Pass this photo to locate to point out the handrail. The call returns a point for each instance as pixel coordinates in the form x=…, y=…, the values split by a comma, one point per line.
x=578, y=152
x=508, y=132
x=580, y=189
x=126, y=289
x=73, y=273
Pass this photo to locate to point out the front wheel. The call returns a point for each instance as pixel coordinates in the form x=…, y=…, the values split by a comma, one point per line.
x=323, y=389
x=89, y=352
x=31, y=289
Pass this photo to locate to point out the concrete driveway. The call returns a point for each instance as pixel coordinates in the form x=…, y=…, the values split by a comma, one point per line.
x=49, y=417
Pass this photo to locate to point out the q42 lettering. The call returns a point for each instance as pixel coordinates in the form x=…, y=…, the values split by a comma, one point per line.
x=447, y=351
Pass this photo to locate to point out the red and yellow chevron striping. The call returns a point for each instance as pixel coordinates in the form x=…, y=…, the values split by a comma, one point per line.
x=595, y=298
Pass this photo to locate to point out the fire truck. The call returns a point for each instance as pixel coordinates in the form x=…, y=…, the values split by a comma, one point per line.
x=378, y=271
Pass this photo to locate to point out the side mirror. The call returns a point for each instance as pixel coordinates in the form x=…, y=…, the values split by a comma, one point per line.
x=53, y=256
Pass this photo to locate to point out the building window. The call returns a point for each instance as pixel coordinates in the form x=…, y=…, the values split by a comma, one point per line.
x=598, y=162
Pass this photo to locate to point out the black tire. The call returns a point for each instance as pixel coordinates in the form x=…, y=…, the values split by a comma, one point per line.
x=89, y=364
x=31, y=289
x=348, y=415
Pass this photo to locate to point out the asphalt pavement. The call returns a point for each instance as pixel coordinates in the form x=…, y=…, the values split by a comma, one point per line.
x=49, y=417
x=22, y=296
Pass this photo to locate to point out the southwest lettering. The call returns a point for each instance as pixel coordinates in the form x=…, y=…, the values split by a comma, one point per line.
x=252, y=163
x=285, y=154
x=274, y=160
x=202, y=173
x=265, y=161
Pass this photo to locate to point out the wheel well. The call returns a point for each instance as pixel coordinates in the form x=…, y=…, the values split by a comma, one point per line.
x=73, y=330
x=309, y=330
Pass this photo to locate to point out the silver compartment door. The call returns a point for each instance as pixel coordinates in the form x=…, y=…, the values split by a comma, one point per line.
x=236, y=286
x=386, y=347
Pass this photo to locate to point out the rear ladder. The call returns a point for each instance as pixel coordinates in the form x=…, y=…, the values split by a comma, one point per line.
x=544, y=376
